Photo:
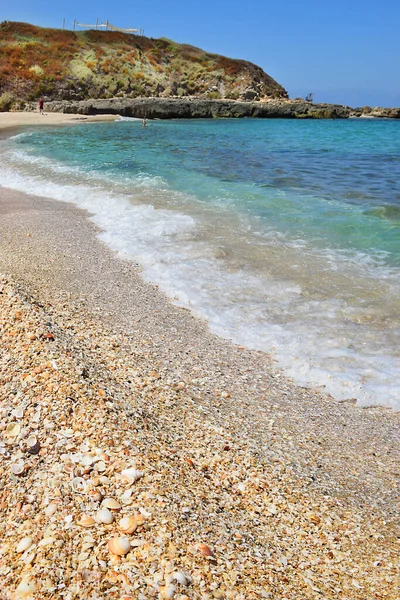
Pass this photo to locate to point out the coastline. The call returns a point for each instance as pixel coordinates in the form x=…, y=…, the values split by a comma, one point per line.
x=220, y=436
x=204, y=108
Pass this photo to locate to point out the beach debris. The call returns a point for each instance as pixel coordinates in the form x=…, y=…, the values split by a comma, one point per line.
x=18, y=468
x=32, y=444
x=24, y=544
x=129, y=524
x=26, y=588
x=119, y=546
x=111, y=504
x=263, y=530
x=131, y=475
x=104, y=516
x=79, y=485
x=205, y=549
x=13, y=430
x=86, y=521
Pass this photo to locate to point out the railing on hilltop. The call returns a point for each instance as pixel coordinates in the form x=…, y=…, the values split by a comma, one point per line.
x=106, y=27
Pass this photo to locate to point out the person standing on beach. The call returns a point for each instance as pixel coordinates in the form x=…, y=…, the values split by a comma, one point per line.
x=41, y=105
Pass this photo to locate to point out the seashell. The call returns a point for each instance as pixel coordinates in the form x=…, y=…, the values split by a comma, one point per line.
x=181, y=578
x=128, y=525
x=100, y=466
x=131, y=474
x=24, y=544
x=168, y=591
x=47, y=541
x=29, y=558
x=95, y=495
x=104, y=480
x=86, y=461
x=68, y=433
x=13, y=429
x=119, y=546
x=50, y=509
x=26, y=588
x=18, y=468
x=205, y=550
x=126, y=497
x=86, y=521
x=18, y=412
x=78, y=484
x=111, y=503
x=32, y=444
x=104, y=516
x=69, y=468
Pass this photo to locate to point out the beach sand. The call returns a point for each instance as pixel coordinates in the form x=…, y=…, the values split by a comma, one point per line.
x=250, y=486
x=9, y=120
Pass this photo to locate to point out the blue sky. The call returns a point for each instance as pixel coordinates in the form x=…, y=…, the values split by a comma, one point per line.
x=342, y=51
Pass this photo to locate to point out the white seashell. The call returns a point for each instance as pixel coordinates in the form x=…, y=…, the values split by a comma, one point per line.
x=78, y=484
x=119, y=546
x=50, y=509
x=181, y=578
x=68, y=433
x=126, y=497
x=26, y=588
x=86, y=461
x=18, y=412
x=13, y=429
x=132, y=474
x=47, y=541
x=104, y=480
x=24, y=544
x=111, y=503
x=18, y=467
x=32, y=444
x=169, y=591
x=29, y=558
x=100, y=466
x=95, y=496
x=104, y=516
x=128, y=525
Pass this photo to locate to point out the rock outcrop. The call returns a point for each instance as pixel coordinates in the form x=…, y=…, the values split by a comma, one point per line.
x=188, y=108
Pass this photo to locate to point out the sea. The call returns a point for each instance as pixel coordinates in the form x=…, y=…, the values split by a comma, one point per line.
x=284, y=235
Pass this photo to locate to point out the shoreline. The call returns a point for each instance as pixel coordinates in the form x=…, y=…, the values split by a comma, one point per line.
x=209, y=420
x=16, y=119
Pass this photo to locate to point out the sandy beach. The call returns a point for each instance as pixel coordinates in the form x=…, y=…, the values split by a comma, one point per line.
x=122, y=416
x=8, y=120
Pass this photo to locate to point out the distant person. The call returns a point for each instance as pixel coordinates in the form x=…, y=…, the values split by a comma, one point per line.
x=144, y=121
x=41, y=105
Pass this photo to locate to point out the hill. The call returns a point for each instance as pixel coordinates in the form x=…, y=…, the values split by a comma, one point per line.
x=79, y=65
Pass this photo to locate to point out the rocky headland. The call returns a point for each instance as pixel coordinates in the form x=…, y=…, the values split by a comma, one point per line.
x=186, y=108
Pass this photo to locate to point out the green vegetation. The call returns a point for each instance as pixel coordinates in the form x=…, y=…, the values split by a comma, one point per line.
x=62, y=64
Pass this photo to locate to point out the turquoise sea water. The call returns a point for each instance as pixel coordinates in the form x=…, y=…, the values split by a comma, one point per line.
x=284, y=235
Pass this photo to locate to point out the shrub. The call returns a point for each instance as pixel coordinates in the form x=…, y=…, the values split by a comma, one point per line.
x=214, y=95
x=6, y=101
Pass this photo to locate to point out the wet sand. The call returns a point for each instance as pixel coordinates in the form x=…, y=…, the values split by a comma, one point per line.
x=291, y=491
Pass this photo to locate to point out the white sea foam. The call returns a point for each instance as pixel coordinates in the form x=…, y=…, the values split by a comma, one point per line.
x=321, y=342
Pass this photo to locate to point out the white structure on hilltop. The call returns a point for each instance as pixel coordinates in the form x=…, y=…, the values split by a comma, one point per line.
x=107, y=27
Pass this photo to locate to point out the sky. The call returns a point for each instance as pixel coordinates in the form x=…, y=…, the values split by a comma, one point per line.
x=345, y=52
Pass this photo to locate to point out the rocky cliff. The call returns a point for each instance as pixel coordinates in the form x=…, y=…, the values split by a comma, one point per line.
x=70, y=65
